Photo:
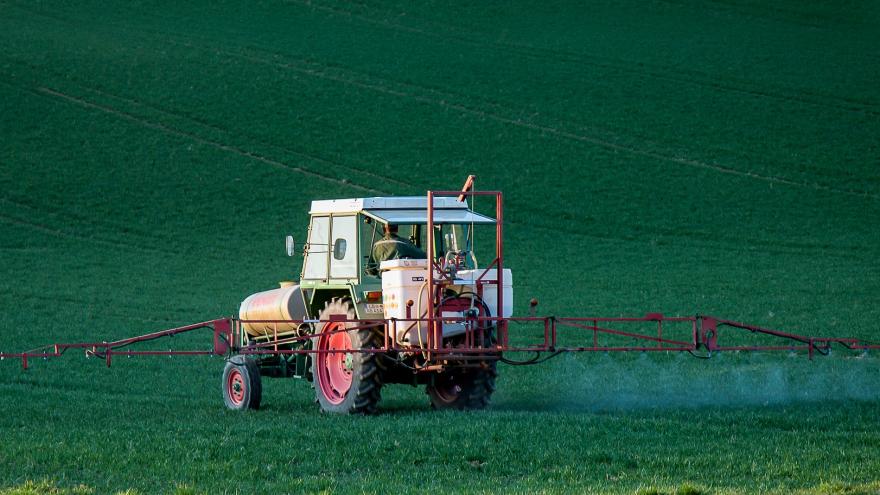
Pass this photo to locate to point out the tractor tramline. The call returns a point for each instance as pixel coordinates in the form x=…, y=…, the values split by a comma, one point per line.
x=355, y=323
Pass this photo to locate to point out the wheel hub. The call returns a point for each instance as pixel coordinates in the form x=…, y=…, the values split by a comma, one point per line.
x=335, y=365
x=235, y=386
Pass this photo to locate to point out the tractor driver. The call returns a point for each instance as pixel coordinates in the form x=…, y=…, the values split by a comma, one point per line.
x=392, y=247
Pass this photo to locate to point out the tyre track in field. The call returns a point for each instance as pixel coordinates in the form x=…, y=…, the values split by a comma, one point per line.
x=361, y=82
x=720, y=244
x=611, y=136
x=24, y=250
x=94, y=306
x=187, y=135
x=794, y=248
x=555, y=127
x=49, y=230
x=45, y=91
x=585, y=234
x=55, y=232
x=218, y=128
x=107, y=228
x=116, y=229
x=227, y=131
x=712, y=241
x=770, y=13
x=696, y=78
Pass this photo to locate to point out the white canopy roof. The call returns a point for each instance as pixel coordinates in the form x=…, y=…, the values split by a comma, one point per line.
x=421, y=216
x=403, y=210
x=401, y=202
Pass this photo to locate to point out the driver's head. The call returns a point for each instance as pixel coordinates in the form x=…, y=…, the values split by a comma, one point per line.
x=390, y=229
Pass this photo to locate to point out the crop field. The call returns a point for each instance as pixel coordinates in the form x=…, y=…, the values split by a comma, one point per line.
x=686, y=157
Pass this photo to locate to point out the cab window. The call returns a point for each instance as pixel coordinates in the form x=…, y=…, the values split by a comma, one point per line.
x=343, y=263
x=317, y=251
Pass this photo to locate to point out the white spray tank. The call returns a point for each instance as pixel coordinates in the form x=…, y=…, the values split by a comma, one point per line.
x=406, y=280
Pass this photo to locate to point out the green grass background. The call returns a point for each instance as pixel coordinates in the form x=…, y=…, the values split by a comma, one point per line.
x=717, y=157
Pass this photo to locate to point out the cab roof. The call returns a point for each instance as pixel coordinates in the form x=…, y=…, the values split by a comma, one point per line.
x=403, y=209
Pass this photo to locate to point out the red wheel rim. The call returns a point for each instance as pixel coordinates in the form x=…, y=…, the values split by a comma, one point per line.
x=334, y=368
x=235, y=386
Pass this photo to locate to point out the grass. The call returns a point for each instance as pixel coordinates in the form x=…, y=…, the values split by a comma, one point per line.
x=674, y=156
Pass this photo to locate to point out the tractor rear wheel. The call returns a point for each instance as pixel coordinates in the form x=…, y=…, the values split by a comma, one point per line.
x=465, y=388
x=242, y=387
x=345, y=382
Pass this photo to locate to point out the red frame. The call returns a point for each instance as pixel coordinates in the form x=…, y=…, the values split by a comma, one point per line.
x=704, y=333
x=435, y=287
x=703, y=330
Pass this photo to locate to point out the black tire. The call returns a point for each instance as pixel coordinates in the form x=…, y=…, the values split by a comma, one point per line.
x=349, y=383
x=242, y=387
x=466, y=388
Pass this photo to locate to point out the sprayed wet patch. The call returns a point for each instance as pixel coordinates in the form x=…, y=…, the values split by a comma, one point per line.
x=631, y=381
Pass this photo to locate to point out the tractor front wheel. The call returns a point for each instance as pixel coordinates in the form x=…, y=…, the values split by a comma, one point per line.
x=242, y=388
x=346, y=381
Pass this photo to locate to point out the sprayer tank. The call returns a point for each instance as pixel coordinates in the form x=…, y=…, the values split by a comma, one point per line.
x=406, y=280
x=285, y=303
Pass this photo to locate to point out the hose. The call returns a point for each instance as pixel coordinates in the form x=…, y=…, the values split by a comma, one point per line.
x=709, y=356
x=818, y=349
x=419, y=312
x=534, y=360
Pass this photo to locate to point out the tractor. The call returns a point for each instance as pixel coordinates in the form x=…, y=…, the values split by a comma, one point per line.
x=362, y=317
x=347, y=300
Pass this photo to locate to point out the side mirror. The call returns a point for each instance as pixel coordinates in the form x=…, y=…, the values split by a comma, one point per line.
x=339, y=248
x=290, y=245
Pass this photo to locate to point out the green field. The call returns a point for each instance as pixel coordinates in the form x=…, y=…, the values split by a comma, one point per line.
x=675, y=156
